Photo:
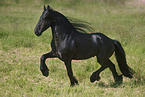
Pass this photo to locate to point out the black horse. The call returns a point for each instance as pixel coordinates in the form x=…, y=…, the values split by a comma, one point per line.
x=68, y=43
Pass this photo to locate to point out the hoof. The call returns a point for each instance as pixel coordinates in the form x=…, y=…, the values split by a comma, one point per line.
x=45, y=72
x=74, y=82
x=119, y=79
x=94, y=78
x=72, y=85
x=98, y=78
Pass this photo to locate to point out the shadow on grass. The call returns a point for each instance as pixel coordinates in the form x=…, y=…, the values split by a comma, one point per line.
x=109, y=85
x=135, y=82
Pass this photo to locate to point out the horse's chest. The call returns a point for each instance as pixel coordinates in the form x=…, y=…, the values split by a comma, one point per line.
x=64, y=49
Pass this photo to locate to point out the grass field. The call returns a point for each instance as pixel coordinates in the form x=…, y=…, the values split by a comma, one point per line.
x=20, y=49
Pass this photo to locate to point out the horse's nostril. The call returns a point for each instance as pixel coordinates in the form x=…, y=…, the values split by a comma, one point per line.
x=37, y=33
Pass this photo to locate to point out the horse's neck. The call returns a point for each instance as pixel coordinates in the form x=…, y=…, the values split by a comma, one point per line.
x=60, y=31
x=59, y=34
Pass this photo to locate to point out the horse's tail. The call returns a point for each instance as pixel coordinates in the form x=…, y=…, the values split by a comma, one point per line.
x=121, y=59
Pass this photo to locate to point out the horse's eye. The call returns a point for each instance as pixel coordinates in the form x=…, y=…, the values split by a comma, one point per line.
x=44, y=18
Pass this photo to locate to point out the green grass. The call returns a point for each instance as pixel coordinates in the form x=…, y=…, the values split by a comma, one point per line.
x=20, y=49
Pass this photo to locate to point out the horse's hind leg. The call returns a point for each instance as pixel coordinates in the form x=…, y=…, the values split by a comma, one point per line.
x=95, y=76
x=117, y=78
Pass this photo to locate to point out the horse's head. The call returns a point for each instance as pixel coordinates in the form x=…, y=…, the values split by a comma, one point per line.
x=44, y=21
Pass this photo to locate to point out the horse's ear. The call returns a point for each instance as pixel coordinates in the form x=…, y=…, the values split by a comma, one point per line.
x=48, y=7
x=44, y=7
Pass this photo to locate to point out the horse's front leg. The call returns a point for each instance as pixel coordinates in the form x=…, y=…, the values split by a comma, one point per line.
x=44, y=69
x=73, y=80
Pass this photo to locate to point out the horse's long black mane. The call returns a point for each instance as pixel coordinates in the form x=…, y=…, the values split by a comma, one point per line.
x=79, y=25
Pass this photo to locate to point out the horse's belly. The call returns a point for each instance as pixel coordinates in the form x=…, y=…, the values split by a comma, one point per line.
x=82, y=57
x=84, y=54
